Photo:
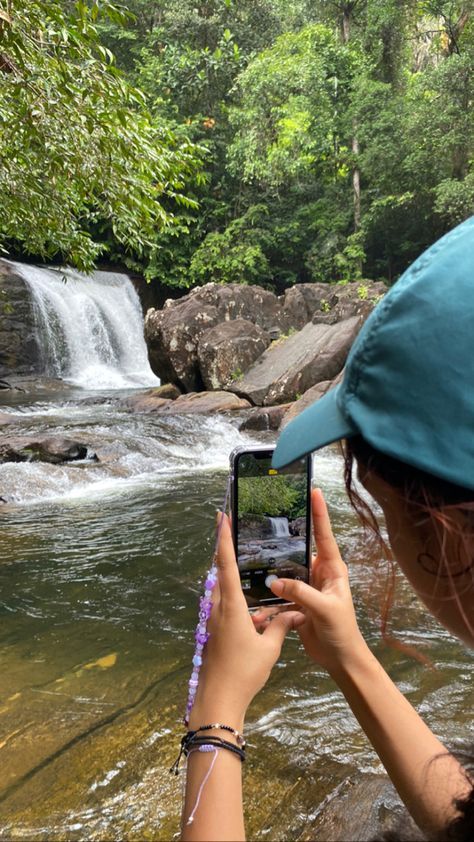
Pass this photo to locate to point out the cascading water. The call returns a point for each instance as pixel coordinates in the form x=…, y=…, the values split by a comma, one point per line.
x=90, y=328
x=279, y=527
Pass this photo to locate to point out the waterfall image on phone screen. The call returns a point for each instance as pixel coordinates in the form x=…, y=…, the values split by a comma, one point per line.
x=272, y=524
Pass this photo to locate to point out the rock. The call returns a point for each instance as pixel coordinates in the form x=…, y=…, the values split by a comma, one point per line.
x=167, y=390
x=302, y=301
x=206, y=402
x=310, y=396
x=185, y=404
x=19, y=350
x=291, y=366
x=53, y=449
x=236, y=301
x=357, y=298
x=146, y=402
x=265, y=418
x=172, y=334
x=227, y=350
x=367, y=808
x=8, y=418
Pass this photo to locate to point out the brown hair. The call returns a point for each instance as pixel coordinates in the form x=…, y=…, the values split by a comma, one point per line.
x=435, y=503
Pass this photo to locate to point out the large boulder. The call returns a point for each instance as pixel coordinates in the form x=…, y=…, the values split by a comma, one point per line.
x=172, y=334
x=19, y=349
x=264, y=418
x=302, y=301
x=291, y=366
x=53, y=449
x=343, y=301
x=310, y=396
x=227, y=350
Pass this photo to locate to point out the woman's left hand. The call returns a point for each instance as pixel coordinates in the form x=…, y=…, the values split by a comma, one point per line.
x=237, y=658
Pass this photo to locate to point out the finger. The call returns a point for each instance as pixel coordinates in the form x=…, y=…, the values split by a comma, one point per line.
x=279, y=627
x=228, y=571
x=326, y=544
x=270, y=611
x=297, y=592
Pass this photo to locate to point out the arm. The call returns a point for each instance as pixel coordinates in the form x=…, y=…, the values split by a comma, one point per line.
x=427, y=777
x=236, y=664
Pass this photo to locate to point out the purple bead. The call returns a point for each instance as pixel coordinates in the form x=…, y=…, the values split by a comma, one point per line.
x=193, y=683
x=199, y=647
x=197, y=660
x=202, y=638
x=192, y=691
x=194, y=675
x=209, y=583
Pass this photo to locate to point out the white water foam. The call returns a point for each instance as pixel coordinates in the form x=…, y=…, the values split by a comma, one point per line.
x=140, y=462
x=90, y=328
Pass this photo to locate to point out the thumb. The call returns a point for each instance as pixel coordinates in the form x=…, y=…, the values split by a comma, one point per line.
x=279, y=627
x=293, y=590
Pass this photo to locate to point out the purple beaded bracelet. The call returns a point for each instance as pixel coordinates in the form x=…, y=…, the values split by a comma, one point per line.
x=201, y=635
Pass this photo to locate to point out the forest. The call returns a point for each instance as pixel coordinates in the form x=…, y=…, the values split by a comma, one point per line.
x=266, y=142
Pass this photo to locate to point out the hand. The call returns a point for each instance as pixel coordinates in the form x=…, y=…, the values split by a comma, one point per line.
x=237, y=658
x=328, y=630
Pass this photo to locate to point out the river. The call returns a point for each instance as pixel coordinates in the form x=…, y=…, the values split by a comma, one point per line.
x=101, y=564
x=100, y=571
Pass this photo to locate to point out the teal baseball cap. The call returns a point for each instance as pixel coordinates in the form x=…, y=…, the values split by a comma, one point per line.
x=408, y=385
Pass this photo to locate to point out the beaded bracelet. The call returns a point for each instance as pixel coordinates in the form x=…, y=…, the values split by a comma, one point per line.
x=201, y=634
x=216, y=726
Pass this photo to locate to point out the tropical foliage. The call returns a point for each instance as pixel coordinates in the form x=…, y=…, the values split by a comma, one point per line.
x=249, y=141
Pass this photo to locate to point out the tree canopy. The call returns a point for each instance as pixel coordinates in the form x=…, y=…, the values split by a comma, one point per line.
x=249, y=141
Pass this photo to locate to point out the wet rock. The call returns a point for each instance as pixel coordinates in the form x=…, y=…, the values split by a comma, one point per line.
x=184, y=404
x=265, y=418
x=19, y=350
x=291, y=366
x=344, y=301
x=167, y=390
x=146, y=402
x=7, y=418
x=310, y=396
x=52, y=449
x=227, y=350
x=206, y=402
x=361, y=810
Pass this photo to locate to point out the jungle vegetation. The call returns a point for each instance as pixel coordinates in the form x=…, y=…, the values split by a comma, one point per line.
x=248, y=141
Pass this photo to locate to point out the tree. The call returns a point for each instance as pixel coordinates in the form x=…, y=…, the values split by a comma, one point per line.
x=83, y=165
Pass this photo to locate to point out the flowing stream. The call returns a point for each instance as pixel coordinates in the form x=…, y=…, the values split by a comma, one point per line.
x=100, y=571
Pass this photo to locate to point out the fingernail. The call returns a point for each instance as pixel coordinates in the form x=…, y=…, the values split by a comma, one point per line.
x=277, y=587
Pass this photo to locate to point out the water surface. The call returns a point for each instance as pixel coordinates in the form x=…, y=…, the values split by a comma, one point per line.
x=100, y=565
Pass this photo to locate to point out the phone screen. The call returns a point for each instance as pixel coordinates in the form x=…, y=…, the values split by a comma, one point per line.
x=271, y=521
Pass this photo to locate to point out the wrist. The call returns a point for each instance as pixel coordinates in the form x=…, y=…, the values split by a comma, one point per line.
x=209, y=711
x=359, y=659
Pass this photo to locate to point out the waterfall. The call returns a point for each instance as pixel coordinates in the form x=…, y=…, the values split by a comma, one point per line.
x=90, y=328
x=279, y=527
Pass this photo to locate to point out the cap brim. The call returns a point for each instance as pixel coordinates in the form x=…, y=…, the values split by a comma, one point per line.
x=320, y=424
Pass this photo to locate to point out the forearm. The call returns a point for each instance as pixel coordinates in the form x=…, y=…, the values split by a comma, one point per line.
x=219, y=814
x=428, y=779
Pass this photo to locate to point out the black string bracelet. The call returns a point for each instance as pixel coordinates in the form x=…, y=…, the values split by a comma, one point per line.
x=191, y=740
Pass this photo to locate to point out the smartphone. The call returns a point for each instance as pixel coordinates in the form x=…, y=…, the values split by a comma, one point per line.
x=271, y=521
